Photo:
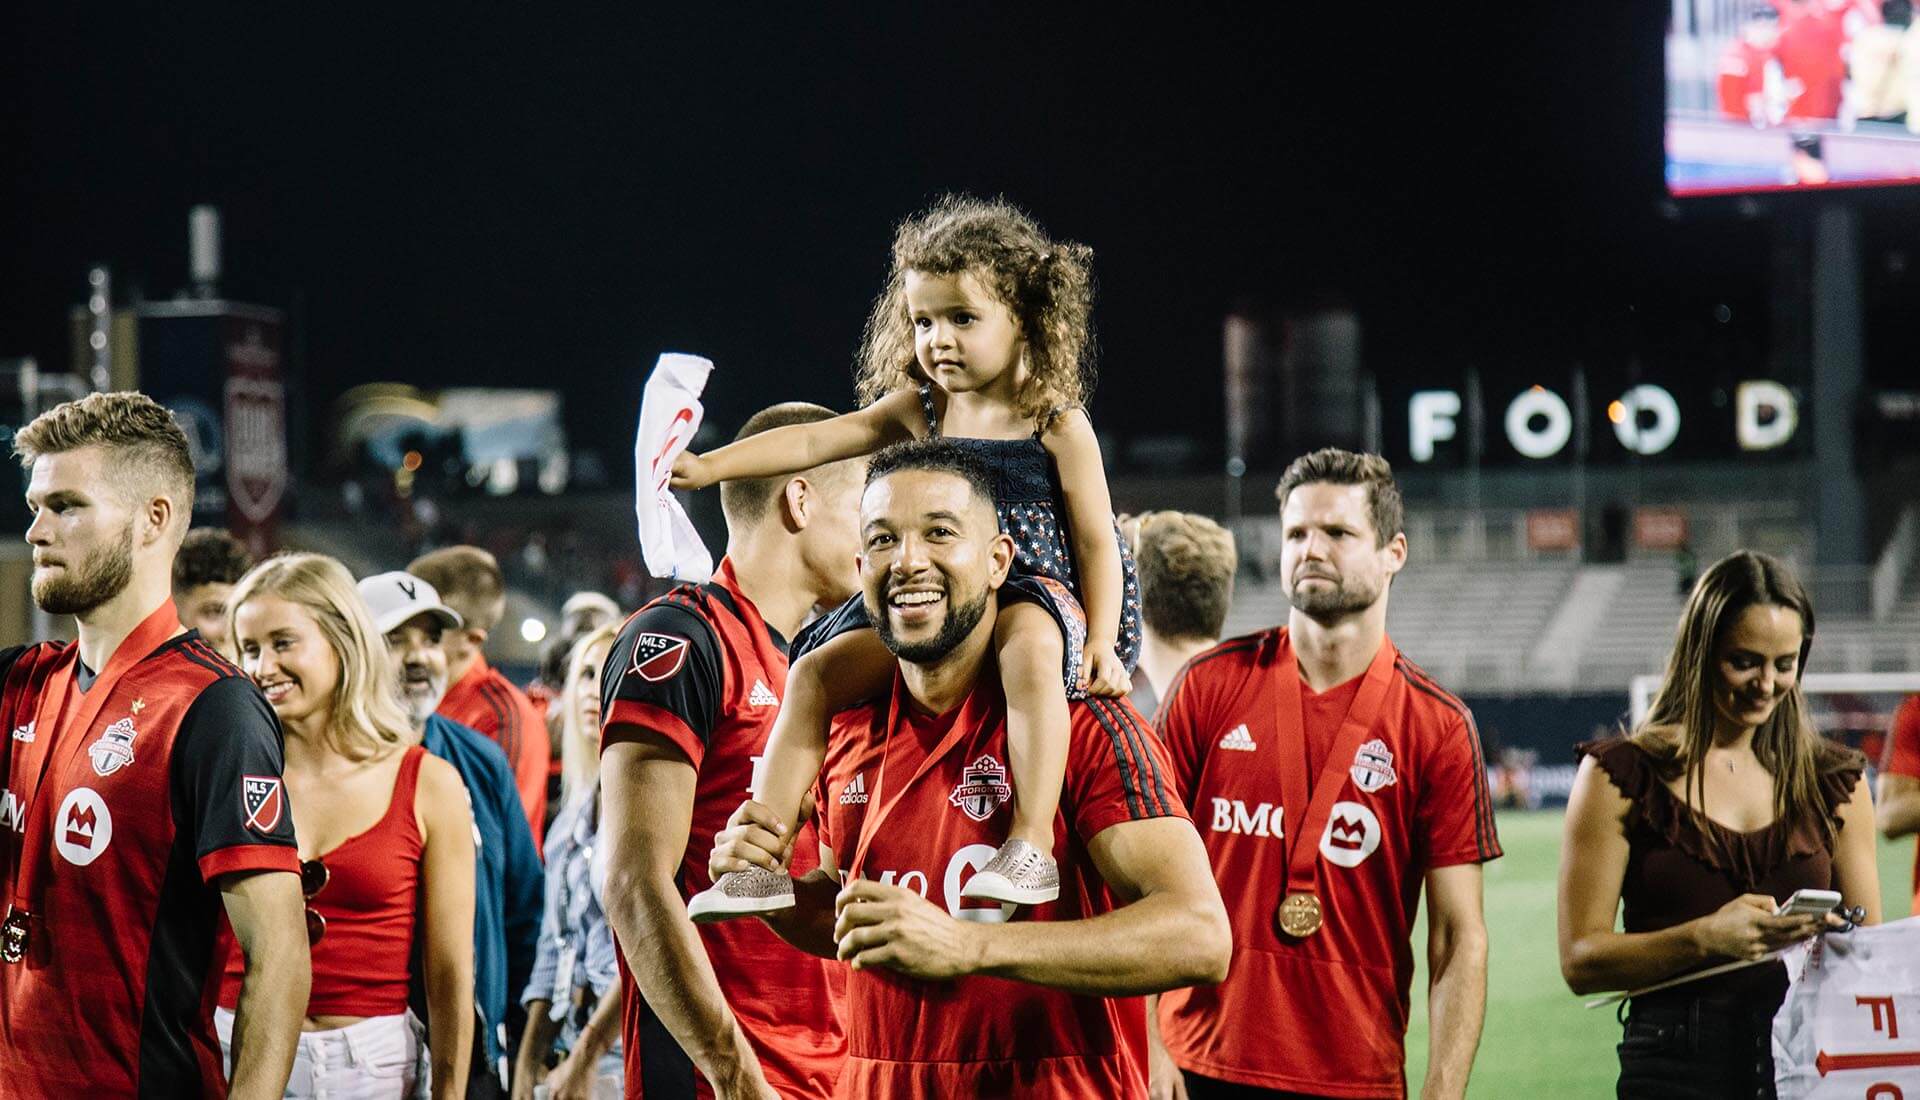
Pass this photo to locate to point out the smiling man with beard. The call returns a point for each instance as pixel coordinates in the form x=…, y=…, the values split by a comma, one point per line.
x=1333, y=778
x=508, y=882
x=148, y=821
x=947, y=998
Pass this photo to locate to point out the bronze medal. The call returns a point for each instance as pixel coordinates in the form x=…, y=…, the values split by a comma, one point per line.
x=13, y=936
x=1300, y=915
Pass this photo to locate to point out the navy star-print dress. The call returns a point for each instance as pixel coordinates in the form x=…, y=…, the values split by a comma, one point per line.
x=1033, y=513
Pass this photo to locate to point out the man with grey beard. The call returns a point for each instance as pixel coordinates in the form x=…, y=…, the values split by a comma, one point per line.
x=508, y=884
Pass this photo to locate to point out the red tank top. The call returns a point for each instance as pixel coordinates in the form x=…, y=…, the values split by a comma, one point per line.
x=370, y=901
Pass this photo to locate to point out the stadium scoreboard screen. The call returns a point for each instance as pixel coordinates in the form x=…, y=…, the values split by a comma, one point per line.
x=1780, y=95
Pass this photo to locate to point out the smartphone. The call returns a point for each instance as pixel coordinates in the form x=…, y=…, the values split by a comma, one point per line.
x=1807, y=903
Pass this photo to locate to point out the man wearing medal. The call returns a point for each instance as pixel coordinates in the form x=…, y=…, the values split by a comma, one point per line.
x=147, y=817
x=1330, y=779
x=947, y=997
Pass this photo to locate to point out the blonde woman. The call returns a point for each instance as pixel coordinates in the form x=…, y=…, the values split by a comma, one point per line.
x=385, y=836
x=1722, y=805
x=573, y=998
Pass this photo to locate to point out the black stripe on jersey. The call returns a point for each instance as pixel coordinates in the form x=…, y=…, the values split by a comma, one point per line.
x=208, y=659
x=1483, y=801
x=1124, y=758
x=213, y=656
x=508, y=715
x=1483, y=829
x=1153, y=785
x=1232, y=645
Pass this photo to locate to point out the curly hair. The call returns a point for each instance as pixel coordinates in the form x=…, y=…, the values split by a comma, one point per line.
x=1046, y=284
x=208, y=555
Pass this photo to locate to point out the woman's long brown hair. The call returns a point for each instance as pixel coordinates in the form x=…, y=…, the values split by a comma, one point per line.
x=1678, y=729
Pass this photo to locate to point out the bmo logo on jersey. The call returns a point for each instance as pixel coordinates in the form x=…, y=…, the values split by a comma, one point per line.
x=960, y=866
x=1230, y=815
x=82, y=827
x=1353, y=833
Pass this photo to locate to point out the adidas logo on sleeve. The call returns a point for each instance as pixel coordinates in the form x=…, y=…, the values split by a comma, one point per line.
x=1238, y=738
x=762, y=695
x=855, y=792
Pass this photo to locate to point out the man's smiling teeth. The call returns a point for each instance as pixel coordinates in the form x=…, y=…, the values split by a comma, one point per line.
x=914, y=599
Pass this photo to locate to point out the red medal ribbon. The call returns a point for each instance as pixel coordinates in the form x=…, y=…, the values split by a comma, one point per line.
x=1303, y=832
x=57, y=730
x=966, y=719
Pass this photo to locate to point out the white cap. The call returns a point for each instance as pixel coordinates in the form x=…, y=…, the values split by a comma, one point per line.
x=590, y=601
x=398, y=596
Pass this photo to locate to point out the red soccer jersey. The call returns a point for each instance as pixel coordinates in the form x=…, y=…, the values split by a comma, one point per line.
x=1812, y=54
x=1903, y=758
x=485, y=700
x=983, y=1036
x=173, y=782
x=1414, y=798
x=1743, y=74
x=700, y=667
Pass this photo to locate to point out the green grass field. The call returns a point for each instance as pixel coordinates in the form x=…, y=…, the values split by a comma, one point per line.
x=1539, y=1042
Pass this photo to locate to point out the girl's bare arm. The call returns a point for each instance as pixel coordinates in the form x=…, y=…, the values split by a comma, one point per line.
x=796, y=447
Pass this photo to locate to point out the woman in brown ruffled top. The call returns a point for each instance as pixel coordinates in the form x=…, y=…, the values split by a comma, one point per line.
x=1721, y=805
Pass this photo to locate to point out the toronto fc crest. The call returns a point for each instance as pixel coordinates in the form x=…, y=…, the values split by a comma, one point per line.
x=1372, y=766
x=114, y=750
x=982, y=788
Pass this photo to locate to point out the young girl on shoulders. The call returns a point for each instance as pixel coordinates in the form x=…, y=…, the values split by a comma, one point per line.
x=982, y=335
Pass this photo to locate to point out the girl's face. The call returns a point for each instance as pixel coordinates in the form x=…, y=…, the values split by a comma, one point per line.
x=283, y=650
x=1756, y=663
x=964, y=337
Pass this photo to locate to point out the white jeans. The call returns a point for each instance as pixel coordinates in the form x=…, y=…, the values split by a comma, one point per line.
x=376, y=1059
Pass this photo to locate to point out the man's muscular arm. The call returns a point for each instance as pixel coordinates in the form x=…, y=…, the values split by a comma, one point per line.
x=647, y=785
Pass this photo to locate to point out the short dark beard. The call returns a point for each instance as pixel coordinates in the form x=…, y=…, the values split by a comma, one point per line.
x=1337, y=604
x=100, y=576
x=959, y=623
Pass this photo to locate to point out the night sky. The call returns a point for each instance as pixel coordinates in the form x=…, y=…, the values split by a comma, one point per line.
x=517, y=197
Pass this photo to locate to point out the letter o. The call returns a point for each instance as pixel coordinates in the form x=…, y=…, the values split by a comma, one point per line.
x=1548, y=441
x=1656, y=437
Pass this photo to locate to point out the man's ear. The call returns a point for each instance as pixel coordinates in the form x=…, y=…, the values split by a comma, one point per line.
x=797, y=500
x=1000, y=555
x=1396, y=549
x=158, y=515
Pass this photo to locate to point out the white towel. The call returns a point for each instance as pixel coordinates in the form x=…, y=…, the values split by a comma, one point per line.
x=1850, y=1025
x=670, y=414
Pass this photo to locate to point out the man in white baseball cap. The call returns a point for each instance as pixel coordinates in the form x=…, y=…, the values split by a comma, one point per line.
x=509, y=887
